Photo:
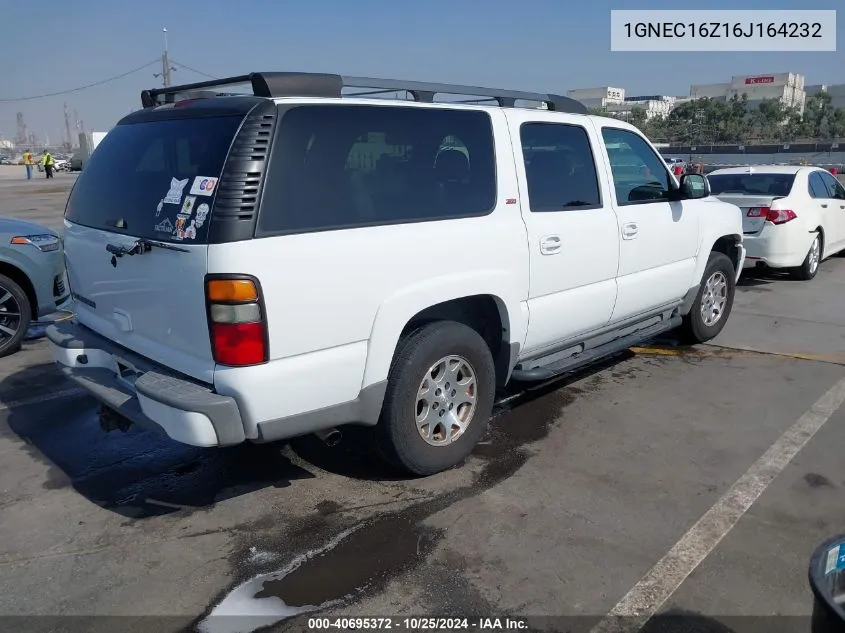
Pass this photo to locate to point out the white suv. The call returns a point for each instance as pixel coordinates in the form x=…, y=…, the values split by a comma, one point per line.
x=258, y=267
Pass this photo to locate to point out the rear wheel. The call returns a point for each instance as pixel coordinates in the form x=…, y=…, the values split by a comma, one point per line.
x=810, y=267
x=439, y=398
x=15, y=315
x=713, y=303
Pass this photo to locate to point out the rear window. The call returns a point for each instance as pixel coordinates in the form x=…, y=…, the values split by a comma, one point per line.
x=751, y=184
x=157, y=179
x=345, y=166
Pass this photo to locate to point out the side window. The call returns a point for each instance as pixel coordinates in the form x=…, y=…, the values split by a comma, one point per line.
x=817, y=186
x=834, y=187
x=639, y=174
x=559, y=167
x=346, y=166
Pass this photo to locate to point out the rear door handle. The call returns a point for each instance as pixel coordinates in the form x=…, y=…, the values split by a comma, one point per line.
x=550, y=244
x=823, y=206
x=630, y=231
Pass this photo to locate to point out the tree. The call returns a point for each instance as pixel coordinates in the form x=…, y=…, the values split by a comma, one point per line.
x=638, y=117
x=818, y=116
x=768, y=119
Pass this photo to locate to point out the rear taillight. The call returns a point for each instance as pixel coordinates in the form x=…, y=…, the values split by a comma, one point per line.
x=780, y=216
x=775, y=216
x=236, y=321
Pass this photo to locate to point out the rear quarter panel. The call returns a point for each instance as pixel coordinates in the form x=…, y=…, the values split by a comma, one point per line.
x=337, y=301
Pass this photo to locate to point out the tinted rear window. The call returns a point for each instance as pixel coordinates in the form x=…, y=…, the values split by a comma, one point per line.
x=155, y=177
x=559, y=167
x=751, y=184
x=344, y=166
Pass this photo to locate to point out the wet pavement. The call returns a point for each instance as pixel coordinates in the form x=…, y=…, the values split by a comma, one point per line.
x=580, y=488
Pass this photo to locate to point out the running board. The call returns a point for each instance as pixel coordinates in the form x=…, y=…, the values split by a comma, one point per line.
x=571, y=363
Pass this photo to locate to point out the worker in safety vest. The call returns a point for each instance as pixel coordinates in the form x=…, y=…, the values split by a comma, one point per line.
x=28, y=163
x=48, y=163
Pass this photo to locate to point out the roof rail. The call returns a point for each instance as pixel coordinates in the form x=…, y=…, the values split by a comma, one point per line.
x=295, y=84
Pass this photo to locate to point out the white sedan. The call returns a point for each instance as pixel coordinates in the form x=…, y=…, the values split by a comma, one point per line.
x=792, y=217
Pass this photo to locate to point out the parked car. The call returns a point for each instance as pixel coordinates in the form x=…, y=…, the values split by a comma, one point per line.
x=61, y=164
x=793, y=217
x=75, y=162
x=380, y=268
x=33, y=282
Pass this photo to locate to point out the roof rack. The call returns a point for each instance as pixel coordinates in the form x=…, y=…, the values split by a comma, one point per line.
x=295, y=84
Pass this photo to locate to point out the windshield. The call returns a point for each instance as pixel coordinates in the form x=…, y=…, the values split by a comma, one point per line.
x=155, y=179
x=759, y=184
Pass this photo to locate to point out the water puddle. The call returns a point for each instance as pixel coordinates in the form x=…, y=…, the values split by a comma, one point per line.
x=247, y=607
x=363, y=558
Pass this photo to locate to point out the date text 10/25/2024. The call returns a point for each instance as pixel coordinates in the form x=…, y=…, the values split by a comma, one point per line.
x=417, y=624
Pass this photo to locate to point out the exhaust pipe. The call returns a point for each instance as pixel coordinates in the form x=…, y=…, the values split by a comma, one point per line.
x=330, y=437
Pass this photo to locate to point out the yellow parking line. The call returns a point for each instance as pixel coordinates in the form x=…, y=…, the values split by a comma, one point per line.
x=718, y=350
x=666, y=351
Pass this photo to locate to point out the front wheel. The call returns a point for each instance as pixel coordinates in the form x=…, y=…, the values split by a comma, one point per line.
x=713, y=303
x=15, y=316
x=439, y=398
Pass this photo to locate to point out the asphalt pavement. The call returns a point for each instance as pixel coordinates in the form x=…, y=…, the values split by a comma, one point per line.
x=669, y=480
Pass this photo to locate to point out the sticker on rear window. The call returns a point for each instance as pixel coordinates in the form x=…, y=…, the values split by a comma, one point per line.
x=183, y=230
x=203, y=186
x=202, y=213
x=179, y=231
x=174, y=196
x=188, y=205
x=158, y=208
x=165, y=226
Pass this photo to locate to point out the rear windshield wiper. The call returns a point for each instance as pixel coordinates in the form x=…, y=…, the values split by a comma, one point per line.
x=141, y=246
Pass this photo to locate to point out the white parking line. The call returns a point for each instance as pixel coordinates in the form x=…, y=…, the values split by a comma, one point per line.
x=66, y=393
x=658, y=585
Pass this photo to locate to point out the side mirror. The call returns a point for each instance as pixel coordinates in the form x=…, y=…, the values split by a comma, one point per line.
x=827, y=581
x=694, y=186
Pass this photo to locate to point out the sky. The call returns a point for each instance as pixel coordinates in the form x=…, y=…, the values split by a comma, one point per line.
x=536, y=45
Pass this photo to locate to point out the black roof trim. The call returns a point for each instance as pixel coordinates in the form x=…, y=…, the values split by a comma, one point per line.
x=238, y=105
x=296, y=84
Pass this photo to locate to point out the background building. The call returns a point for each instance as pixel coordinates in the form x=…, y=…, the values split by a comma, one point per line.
x=598, y=97
x=788, y=88
x=836, y=92
x=653, y=105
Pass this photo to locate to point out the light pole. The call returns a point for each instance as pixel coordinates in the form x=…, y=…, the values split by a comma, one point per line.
x=165, y=64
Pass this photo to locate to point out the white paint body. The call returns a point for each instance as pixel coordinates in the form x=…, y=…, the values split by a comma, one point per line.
x=786, y=245
x=337, y=301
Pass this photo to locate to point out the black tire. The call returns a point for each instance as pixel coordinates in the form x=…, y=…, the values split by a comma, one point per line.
x=399, y=440
x=18, y=299
x=694, y=330
x=810, y=268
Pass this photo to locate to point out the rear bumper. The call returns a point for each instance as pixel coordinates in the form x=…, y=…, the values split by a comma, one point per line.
x=778, y=246
x=150, y=395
